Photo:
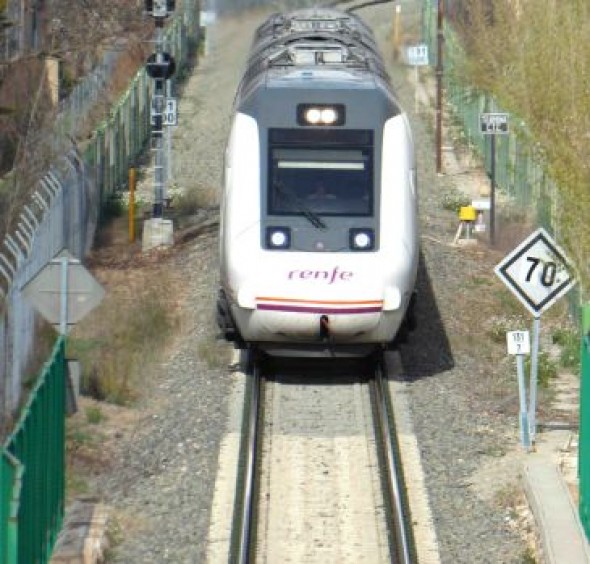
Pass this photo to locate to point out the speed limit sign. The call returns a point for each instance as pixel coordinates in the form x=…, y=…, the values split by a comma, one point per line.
x=538, y=272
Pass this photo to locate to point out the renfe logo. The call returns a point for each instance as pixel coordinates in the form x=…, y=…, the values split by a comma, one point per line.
x=330, y=276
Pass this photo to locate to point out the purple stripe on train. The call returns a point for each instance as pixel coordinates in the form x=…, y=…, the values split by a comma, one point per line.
x=319, y=309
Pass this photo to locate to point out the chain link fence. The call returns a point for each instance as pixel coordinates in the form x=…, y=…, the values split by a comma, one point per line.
x=65, y=207
x=520, y=168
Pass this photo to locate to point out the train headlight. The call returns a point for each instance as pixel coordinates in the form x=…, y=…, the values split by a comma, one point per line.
x=321, y=114
x=362, y=239
x=328, y=116
x=278, y=237
x=313, y=116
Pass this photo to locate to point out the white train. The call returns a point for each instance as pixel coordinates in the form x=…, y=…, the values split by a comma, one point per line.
x=319, y=230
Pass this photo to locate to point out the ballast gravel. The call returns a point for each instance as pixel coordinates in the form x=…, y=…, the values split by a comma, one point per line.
x=162, y=477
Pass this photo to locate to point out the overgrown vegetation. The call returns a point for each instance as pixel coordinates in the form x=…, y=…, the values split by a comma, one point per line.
x=533, y=57
x=134, y=323
x=128, y=332
x=569, y=342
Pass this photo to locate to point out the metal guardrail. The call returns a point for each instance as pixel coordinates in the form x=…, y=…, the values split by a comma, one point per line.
x=33, y=470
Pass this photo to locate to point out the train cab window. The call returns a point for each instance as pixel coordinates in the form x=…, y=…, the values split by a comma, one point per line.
x=326, y=181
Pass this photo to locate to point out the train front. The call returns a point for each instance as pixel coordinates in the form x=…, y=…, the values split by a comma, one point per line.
x=319, y=245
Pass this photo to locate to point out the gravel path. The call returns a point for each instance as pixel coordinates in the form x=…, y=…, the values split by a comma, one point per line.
x=162, y=478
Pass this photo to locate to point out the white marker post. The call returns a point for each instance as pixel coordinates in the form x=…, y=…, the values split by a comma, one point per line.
x=417, y=56
x=519, y=345
x=538, y=273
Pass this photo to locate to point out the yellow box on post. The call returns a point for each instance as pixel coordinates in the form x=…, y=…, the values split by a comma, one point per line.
x=467, y=213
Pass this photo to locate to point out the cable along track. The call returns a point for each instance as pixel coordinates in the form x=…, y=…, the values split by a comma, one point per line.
x=319, y=469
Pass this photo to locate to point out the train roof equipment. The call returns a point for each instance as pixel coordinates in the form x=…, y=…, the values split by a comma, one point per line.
x=313, y=40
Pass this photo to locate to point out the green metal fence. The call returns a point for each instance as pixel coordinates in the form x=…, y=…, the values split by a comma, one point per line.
x=584, y=438
x=10, y=485
x=33, y=470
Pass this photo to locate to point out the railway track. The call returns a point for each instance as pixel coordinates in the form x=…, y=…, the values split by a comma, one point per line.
x=319, y=471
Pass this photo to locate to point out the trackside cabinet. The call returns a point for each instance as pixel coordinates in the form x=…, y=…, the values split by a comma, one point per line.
x=584, y=441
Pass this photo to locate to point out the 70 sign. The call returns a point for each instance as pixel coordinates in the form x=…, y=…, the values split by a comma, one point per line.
x=537, y=272
x=547, y=272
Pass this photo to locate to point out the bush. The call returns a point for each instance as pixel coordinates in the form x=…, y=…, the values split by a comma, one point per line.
x=547, y=369
x=569, y=343
x=453, y=200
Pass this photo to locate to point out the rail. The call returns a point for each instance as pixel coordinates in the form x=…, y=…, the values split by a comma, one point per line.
x=402, y=540
x=241, y=545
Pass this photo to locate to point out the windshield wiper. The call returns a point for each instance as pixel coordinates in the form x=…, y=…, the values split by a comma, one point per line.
x=300, y=207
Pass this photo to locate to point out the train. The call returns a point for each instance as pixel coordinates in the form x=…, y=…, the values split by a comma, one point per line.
x=318, y=236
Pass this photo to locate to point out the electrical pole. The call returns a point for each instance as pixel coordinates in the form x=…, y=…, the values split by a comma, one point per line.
x=439, y=79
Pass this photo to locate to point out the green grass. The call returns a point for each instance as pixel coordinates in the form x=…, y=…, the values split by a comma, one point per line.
x=547, y=369
x=569, y=343
x=94, y=415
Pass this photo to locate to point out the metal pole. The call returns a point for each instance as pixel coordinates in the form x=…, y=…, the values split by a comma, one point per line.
x=533, y=379
x=157, y=131
x=132, y=178
x=524, y=420
x=439, y=77
x=63, y=310
x=416, y=78
x=493, y=192
x=168, y=144
x=396, y=35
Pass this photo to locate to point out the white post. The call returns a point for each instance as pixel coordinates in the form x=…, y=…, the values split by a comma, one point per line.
x=416, y=89
x=524, y=421
x=63, y=314
x=533, y=379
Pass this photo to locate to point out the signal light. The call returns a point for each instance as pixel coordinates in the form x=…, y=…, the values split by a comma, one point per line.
x=160, y=8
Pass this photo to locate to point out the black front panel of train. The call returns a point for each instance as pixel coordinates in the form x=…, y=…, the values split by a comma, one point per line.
x=320, y=193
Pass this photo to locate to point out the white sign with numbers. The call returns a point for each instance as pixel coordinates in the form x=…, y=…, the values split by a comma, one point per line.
x=518, y=342
x=493, y=124
x=418, y=55
x=537, y=272
x=171, y=112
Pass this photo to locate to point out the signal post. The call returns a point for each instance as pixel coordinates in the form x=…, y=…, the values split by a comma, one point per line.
x=160, y=66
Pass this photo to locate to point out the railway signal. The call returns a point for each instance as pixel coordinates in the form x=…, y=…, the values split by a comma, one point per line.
x=160, y=66
x=160, y=8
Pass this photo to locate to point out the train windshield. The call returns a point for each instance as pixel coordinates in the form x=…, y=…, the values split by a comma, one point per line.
x=323, y=181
